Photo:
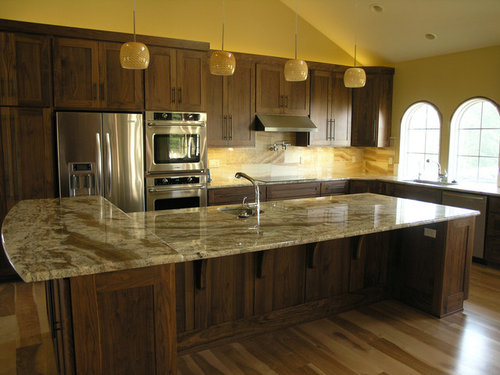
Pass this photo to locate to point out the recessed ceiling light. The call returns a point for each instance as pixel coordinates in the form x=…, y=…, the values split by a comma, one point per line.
x=430, y=36
x=376, y=8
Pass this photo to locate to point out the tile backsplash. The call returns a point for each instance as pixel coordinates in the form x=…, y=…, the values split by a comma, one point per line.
x=308, y=162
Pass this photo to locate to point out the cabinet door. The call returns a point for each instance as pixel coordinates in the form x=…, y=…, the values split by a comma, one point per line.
x=191, y=73
x=239, y=99
x=296, y=97
x=28, y=154
x=320, y=108
x=334, y=188
x=426, y=194
x=371, y=111
x=160, y=79
x=492, y=240
x=341, y=112
x=124, y=322
x=364, y=113
x=217, y=125
x=25, y=71
x=270, y=97
x=76, y=73
x=118, y=88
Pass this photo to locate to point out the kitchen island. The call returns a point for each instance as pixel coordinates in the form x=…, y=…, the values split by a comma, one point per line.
x=130, y=290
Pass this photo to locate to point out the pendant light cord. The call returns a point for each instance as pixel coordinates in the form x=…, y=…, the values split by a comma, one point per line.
x=355, y=29
x=223, y=22
x=134, y=21
x=296, y=27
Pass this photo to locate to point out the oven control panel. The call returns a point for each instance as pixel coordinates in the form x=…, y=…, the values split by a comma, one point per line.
x=163, y=181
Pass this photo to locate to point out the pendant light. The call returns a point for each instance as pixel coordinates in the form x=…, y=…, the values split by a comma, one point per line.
x=355, y=77
x=134, y=55
x=222, y=63
x=296, y=70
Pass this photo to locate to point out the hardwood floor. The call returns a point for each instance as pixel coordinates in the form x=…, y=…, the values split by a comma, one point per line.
x=383, y=338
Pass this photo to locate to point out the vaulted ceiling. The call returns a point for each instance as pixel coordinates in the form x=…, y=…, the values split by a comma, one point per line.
x=395, y=30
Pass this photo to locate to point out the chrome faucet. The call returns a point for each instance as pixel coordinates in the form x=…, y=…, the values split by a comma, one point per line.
x=257, y=192
x=441, y=176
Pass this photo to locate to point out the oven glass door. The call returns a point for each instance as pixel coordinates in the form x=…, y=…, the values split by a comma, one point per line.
x=176, y=148
x=168, y=199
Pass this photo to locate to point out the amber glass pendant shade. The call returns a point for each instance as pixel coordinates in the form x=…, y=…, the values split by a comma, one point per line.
x=222, y=63
x=296, y=70
x=354, y=78
x=134, y=55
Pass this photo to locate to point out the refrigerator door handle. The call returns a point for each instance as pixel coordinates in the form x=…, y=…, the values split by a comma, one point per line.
x=98, y=183
x=108, y=145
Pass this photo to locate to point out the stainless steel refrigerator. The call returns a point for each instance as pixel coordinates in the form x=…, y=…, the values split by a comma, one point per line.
x=102, y=154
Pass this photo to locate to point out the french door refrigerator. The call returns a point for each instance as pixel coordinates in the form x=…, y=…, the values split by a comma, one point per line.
x=102, y=154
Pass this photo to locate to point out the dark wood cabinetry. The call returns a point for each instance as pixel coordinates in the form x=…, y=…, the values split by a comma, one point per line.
x=28, y=154
x=293, y=191
x=175, y=80
x=25, y=70
x=87, y=74
x=371, y=109
x=334, y=187
x=27, y=163
x=277, y=96
x=234, y=195
x=122, y=315
x=492, y=243
x=330, y=110
x=231, y=103
x=421, y=193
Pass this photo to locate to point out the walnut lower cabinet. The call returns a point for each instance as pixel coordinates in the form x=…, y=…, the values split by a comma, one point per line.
x=137, y=321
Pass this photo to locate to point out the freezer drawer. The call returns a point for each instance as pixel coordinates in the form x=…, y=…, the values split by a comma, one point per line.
x=473, y=202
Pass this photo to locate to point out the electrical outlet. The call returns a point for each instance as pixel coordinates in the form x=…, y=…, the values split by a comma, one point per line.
x=214, y=163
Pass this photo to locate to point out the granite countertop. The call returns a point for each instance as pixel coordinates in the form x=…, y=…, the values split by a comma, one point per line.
x=468, y=187
x=56, y=238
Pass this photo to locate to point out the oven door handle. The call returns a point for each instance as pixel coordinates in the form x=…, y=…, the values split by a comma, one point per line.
x=177, y=123
x=195, y=187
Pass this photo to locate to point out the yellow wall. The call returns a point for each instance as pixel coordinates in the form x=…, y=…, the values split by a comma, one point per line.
x=263, y=27
x=446, y=81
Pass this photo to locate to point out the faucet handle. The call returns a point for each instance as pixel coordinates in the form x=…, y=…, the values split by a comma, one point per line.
x=244, y=203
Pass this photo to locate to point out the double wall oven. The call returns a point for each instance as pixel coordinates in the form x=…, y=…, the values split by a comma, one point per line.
x=176, y=160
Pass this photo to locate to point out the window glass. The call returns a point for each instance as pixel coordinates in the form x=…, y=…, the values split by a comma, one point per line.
x=420, y=137
x=475, y=142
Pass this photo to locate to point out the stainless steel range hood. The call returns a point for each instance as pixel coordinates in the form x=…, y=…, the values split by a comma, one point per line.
x=283, y=123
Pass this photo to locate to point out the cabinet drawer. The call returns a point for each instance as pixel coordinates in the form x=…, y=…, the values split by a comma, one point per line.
x=494, y=205
x=291, y=191
x=419, y=193
x=233, y=195
x=334, y=188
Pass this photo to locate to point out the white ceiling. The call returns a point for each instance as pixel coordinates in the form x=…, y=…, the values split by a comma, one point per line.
x=398, y=32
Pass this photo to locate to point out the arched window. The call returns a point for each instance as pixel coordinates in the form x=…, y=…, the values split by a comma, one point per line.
x=420, y=135
x=474, y=141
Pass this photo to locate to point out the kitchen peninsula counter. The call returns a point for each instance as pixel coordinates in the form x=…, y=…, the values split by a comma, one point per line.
x=127, y=292
x=59, y=238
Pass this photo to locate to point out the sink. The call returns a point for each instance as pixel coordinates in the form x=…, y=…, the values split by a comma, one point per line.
x=240, y=211
x=433, y=182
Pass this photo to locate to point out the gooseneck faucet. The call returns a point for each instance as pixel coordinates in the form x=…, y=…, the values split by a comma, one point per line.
x=257, y=192
x=441, y=176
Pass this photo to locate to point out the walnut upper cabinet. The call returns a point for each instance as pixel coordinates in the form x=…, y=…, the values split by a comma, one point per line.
x=24, y=70
x=231, y=107
x=277, y=96
x=88, y=74
x=330, y=109
x=371, y=109
x=175, y=80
